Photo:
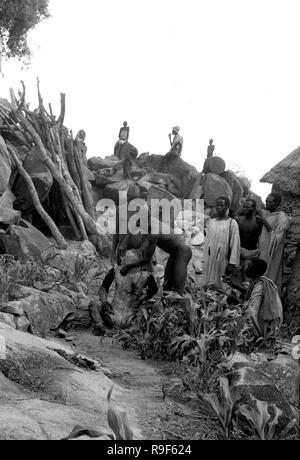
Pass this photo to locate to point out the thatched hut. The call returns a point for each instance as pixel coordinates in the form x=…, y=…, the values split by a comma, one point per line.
x=285, y=177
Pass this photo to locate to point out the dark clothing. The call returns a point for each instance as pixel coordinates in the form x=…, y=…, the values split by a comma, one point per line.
x=125, y=150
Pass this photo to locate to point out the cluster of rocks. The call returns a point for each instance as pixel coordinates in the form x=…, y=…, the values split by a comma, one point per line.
x=55, y=289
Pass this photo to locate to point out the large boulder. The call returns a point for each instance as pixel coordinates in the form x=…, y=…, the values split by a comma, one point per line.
x=197, y=190
x=7, y=214
x=44, y=395
x=113, y=190
x=284, y=371
x=41, y=177
x=7, y=318
x=214, y=165
x=276, y=381
x=182, y=174
x=44, y=310
x=96, y=163
x=215, y=186
x=249, y=383
x=237, y=190
x=25, y=241
x=7, y=199
x=104, y=177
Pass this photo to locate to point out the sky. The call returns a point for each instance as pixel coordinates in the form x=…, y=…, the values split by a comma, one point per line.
x=227, y=70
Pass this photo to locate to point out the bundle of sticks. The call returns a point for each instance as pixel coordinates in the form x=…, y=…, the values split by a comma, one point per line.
x=63, y=155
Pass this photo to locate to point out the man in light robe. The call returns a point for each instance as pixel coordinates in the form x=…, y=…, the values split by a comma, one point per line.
x=177, y=143
x=272, y=243
x=221, y=247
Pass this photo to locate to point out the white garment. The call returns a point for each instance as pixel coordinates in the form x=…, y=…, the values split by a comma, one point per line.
x=222, y=247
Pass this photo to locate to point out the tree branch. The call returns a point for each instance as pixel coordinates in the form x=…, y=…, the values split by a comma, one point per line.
x=36, y=201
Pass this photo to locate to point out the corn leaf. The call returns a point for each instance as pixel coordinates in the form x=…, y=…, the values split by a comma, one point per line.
x=290, y=426
x=79, y=431
x=274, y=422
x=118, y=421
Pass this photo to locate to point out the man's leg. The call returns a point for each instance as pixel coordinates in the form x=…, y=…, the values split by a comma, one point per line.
x=181, y=261
x=127, y=167
x=176, y=269
x=168, y=282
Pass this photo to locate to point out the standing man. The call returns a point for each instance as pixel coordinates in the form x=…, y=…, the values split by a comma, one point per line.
x=177, y=143
x=221, y=247
x=124, y=151
x=210, y=149
x=251, y=223
x=272, y=243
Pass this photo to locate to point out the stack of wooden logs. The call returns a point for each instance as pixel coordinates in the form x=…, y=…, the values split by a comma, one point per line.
x=62, y=154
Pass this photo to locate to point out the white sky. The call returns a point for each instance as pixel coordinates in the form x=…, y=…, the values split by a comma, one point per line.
x=229, y=70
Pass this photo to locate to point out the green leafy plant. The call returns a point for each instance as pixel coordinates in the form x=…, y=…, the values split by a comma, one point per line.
x=259, y=419
x=83, y=271
x=14, y=272
x=117, y=421
x=224, y=407
x=16, y=20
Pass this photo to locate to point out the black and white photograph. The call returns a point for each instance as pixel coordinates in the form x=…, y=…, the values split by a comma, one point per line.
x=149, y=222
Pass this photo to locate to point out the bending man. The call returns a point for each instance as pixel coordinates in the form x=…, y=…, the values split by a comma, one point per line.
x=144, y=243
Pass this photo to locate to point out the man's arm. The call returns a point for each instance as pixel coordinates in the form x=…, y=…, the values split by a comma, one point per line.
x=234, y=244
x=261, y=220
x=148, y=249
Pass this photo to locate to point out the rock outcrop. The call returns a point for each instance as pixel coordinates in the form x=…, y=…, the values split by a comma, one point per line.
x=45, y=394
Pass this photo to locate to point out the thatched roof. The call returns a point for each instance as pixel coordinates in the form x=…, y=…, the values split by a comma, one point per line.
x=286, y=174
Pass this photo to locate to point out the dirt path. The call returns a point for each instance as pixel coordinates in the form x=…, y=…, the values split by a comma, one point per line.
x=158, y=418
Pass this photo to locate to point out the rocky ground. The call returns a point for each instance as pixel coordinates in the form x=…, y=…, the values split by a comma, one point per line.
x=51, y=382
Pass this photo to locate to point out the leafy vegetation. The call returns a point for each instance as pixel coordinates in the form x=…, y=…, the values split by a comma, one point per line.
x=258, y=416
x=202, y=333
x=224, y=407
x=117, y=421
x=17, y=18
x=14, y=272
x=259, y=419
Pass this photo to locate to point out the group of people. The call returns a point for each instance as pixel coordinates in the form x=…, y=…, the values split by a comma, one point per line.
x=246, y=252
x=127, y=153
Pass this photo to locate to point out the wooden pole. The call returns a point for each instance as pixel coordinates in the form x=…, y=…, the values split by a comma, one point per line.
x=64, y=179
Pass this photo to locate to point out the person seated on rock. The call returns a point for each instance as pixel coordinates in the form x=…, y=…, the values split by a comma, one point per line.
x=176, y=143
x=263, y=305
x=145, y=242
